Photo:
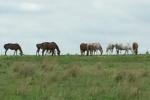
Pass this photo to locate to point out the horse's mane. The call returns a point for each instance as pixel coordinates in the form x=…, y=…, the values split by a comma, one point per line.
x=56, y=46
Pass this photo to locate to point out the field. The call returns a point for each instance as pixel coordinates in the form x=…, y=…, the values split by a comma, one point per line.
x=75, y=78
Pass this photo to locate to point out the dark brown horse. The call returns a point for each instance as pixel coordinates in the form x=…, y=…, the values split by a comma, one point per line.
x=135, y=48
x=40, y=47
x=14, y=47
x=50, y=46
x=84, y=48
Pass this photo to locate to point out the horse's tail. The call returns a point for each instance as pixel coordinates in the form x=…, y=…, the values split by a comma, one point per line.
x=5, y=46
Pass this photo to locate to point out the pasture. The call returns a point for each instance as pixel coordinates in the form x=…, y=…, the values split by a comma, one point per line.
x=75, y=77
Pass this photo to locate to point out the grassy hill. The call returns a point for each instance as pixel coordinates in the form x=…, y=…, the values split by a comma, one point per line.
x=75, y=78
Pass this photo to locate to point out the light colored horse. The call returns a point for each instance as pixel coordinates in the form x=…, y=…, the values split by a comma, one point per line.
x=110, y=48
x=98, y=47
x=119, y=47
x=90, y=48
x=93, y=48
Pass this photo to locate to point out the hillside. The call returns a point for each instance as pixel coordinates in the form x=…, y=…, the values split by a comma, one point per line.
x=75, y=78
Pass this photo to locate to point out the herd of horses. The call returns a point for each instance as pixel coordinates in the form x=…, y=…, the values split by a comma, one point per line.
x=85, y=48
x=48, y=47
x=93, y=48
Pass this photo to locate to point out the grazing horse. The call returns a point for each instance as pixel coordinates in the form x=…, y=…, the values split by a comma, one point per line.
x=120, y=47
x=84, y=48
x=97, y=47
x=39, y=47
x=110, y=48
x=50, y=46
x=135, y=48
x=14, y=47
x=91, y=48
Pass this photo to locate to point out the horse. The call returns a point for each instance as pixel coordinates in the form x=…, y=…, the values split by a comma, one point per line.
x=39, y=47
x=120, y=47
x=110, y=48
x=135, y=48
x=51, y=46
x=97, y=47
x=13, y=46
x=84, y=48
x=91, y=48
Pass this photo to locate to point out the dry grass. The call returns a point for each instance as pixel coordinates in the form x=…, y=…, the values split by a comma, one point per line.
x=23, y=88
x=24, y=69
x=48, y=65
x=130, y=75
x=72, y=71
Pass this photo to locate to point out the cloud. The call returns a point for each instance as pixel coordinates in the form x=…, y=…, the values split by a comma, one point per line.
x=71, y=22
x=26, y=6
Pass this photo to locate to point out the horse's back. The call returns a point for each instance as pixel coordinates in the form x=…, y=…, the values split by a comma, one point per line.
x=12, y=46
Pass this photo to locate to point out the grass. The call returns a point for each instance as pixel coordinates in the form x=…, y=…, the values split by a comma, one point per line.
x=75, y=77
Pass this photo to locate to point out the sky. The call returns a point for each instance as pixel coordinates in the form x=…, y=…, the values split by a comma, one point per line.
x=70, y=22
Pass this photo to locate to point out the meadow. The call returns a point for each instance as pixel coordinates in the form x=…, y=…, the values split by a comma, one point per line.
x=75, y=77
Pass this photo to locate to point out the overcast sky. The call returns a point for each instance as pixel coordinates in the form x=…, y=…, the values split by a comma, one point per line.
x=70, y=22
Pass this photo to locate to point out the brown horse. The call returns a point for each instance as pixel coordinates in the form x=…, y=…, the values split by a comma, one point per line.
x=135, y=48
x=14, y=47
x=91, y=48
x=84, y=48
x=40, y=47
x=50, y=46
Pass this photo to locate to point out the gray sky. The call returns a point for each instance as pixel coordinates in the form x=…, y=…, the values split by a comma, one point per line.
x=70, y=22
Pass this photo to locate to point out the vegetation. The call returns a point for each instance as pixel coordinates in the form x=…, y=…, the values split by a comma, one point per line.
x=75, y=77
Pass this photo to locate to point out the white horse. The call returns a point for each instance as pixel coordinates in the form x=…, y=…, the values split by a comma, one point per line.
x=110, y=48
x=119, y=47
x=97, y=47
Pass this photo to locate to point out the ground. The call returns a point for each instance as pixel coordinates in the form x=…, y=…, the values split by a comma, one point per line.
x=75, y=77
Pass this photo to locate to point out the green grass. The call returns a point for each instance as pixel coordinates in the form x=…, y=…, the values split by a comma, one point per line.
x=75, y=77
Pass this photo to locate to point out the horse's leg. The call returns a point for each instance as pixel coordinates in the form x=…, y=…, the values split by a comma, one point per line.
x=16, y=52
x=81, y=52
x=125, y=52
x=101, y=52
x=91, y=52
x=6, y=52
x=37, y=52
x=111, y=51
x=87, y=52
x=117, y=52
x=52, y=52
x=43, y=52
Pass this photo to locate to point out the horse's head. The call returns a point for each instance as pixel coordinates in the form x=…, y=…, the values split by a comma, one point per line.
x=21, y=54
x=58, y=53
x=101, y=51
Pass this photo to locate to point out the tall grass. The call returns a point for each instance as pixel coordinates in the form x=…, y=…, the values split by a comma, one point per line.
x=75, y=78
